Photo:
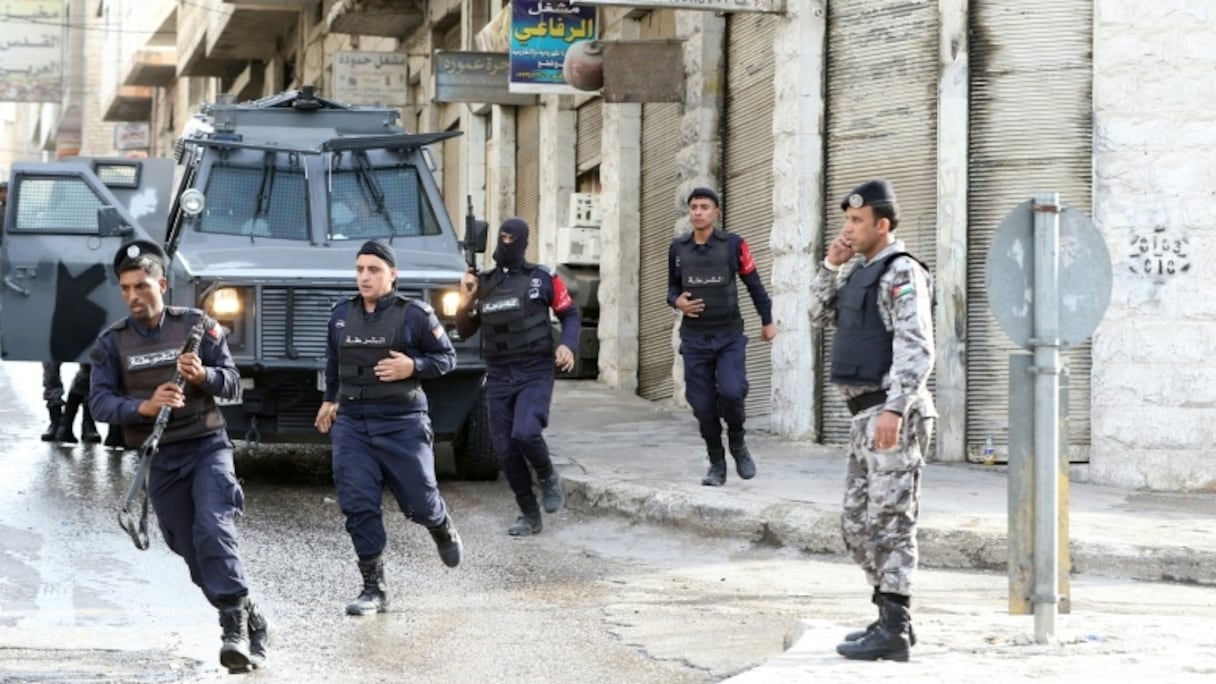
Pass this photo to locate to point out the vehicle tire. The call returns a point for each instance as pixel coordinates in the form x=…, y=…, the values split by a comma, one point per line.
x=474, y=455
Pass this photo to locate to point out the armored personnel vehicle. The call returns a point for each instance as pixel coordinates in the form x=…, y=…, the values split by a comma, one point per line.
x=273, y=199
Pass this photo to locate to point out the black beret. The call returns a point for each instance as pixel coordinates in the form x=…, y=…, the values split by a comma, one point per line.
x=379, y=249
x=869, y=192
x=704, y=192
x=127, y=257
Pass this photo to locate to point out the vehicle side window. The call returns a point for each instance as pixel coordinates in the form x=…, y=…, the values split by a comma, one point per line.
x=56, y=205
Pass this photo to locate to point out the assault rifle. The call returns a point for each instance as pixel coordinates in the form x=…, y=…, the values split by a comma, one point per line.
x=139, y=485
x=474, y=241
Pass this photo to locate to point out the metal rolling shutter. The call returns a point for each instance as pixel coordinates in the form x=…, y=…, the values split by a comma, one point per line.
x=747, y=195
x=1031, y=130
x=590, y=132
x=659, y=211
x=881, y=123
x=527, y=174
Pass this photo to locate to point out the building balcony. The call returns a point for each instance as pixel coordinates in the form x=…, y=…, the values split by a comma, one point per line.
x=129, y=103
x=389, y=18
x=216, y=38
x=152, y=66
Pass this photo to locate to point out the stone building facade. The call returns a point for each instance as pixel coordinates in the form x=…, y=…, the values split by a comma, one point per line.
x=969, y=107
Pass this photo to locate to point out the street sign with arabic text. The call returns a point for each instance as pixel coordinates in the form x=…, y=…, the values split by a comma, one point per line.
x=708, y=5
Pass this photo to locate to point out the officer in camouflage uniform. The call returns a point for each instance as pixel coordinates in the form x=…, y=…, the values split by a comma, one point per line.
x=882, y=355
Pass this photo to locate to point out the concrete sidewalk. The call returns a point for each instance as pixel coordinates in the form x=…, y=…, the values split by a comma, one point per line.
x=624, y=455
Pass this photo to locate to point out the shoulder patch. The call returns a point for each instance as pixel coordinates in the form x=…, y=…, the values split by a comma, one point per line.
x=419, y=304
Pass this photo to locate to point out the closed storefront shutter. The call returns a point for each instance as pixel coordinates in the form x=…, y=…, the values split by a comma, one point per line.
x=1031, y=131
x=590, y=130
x=747, y=196
x=659, y=211
x=527, y=174
x=881, y=123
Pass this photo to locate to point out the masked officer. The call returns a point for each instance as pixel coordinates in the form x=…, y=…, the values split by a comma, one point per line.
x=881, y=359
x=381, y=345
x=702, y=266
x=192, y=483
x=510, y=305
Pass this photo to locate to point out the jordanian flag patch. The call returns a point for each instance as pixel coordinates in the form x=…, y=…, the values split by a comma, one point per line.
x=904, y=290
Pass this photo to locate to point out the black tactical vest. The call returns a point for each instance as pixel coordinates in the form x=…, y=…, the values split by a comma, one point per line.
x=708, y=274
x=148, y=363
x=512, y=323
x=366, y=340
x=862, y=348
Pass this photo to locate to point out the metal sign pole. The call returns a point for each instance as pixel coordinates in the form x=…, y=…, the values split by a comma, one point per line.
x=1046, y=345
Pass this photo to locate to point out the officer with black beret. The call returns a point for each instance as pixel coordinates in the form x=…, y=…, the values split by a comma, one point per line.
x=882, y=355
x=381, y=345
x=702, y=268
x=192, y=482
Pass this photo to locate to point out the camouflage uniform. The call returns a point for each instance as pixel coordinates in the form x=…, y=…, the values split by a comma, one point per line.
x=882, y=488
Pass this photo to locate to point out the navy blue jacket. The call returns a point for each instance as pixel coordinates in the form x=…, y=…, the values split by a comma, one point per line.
x=425, y=340
x=741, y=263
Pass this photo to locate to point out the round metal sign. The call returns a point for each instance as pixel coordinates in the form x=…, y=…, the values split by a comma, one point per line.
x=1084, y=276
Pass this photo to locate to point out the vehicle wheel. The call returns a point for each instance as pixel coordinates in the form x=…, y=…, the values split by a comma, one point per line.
x=474, y=454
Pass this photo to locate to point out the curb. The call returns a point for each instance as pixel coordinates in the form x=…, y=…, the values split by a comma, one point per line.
x=811, y=529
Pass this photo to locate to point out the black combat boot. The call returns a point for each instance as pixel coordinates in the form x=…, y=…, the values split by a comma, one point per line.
x=259, y=636
x=552, y=493
x=447, y=539
x=744, y=465
x=876, y=599
x=88, y=429
x=374, y=598
x=529, y=522
x=890, y=641
x=234, y=620
x=114, y=438
x=56, y=415
x=716, y=477
x=64, y=434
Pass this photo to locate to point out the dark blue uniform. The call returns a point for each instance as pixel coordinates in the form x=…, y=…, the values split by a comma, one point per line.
x=192, y=483
x=713, y=345
x=520, y=368
x=388, y=440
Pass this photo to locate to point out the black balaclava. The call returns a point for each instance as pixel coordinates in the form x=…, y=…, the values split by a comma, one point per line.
x=512, y=255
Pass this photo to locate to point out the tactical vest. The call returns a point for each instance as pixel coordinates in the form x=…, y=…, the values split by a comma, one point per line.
x=513, y=323
x=708, y=274
x=862, y=347
x=366, y=340
x=148, y=363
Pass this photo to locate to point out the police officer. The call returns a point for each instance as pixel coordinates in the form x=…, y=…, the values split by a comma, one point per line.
x=702, y=266
x=63, y=414
x=881, y=359
x=192, y=483
x=381, y=345
x=510, y=305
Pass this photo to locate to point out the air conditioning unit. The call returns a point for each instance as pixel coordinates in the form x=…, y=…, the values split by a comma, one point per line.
x=579, y=242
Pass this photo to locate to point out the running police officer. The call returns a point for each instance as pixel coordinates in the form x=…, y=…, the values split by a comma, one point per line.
x=192, y=483
x=511, y=305
x=881, y=359
x=380, y=346
x=701, y=268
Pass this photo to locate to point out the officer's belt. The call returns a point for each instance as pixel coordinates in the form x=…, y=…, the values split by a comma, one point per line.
x=862, y=402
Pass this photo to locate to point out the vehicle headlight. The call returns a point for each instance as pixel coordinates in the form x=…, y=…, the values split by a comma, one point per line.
x=449, y=303
x=224, y=303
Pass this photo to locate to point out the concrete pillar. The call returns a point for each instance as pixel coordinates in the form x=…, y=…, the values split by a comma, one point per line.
x=558, y=140
x=951, y=271
x=620, y=244
x=798, y=49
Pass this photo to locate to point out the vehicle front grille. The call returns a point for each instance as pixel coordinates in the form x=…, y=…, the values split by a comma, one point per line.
x=307, y=309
